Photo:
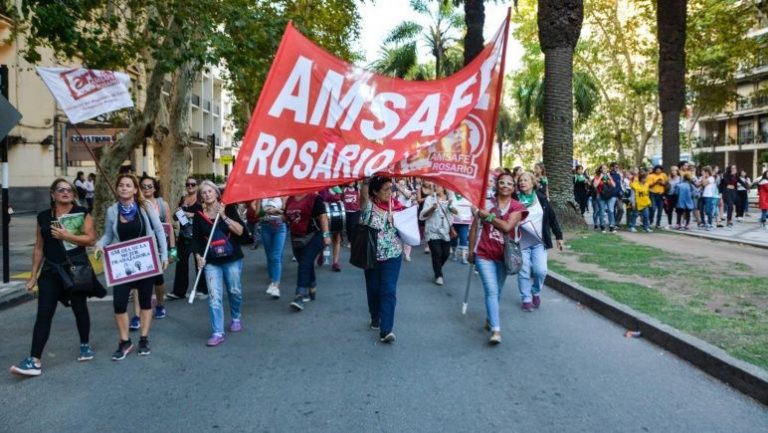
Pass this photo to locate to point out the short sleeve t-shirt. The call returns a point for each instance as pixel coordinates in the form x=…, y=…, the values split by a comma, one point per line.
x=491, y=243
x=53, y=249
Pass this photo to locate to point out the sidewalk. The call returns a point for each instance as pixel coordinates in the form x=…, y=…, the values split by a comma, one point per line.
x=22, y=241
x=746, y=232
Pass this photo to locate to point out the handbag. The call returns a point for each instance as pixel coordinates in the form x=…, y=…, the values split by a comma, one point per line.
x=302, y=240
x=363, y=251
x=221, y=245
x=79, y=278
x=513, y=255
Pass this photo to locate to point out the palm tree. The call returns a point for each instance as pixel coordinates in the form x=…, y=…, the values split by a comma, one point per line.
x=559, y=23
x=671, y=33
x=529, y=95
x=398, y=56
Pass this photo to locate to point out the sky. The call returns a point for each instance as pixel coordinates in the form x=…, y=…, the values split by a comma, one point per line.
x=380, y=17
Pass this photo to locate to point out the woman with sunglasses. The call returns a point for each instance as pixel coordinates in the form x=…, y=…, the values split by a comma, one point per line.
x=189, y=205
x=223, y=263
x=49, y=245
x=130, y=218
x=486, y=245
x=151, y=192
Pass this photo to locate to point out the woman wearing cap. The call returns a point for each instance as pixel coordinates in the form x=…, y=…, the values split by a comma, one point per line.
x=381, y=281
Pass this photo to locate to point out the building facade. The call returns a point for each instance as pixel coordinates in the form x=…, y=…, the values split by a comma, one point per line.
x=45, y=146
x=739, y=135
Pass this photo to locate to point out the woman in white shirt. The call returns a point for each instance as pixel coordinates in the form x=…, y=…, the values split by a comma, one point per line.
x=710, y=195
x=436, y=214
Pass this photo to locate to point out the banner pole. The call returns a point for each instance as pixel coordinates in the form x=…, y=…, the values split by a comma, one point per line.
x=93, y=156
x=205, y=253
x=466, y=290
x=498, y=103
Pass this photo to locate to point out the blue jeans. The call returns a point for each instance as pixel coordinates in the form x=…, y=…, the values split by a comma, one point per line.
x=305, y=257
x=597, y=213
x=493, y=275
x=657, y=200
x=381, y=288
x=463, y=239
x=645, y=213
x=273, y=237
x=609, y=207
x=217, y=277
x=710, y=207
x=531, y=277
x=763, y=215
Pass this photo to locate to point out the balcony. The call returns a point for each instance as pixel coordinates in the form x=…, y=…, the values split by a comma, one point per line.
x=756, y=100
x=196, y=100
x=207, y=105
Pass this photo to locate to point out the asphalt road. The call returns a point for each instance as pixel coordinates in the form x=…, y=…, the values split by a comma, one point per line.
x=560, y=369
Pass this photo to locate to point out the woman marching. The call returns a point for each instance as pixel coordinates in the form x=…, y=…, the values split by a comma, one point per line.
x=187, y=208
x=486, y=248
x=308, y=224
x=151, y=192
x=381, y=281
x=223, y=264
x=437, y=215
x=130, y=218
x=49, y=245
x=536, y=237
x=273, y=233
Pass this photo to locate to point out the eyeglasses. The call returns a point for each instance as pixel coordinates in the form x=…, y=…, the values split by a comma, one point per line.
x=191, y=184
x=64, y=190
x=505, y=183
x=147, y=186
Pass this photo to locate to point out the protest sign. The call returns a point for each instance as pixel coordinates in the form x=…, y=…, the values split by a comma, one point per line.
x=131, y=260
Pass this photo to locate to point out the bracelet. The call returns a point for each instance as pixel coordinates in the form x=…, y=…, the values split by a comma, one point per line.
x=326, y=234
x=490, y=217
x=227, y=221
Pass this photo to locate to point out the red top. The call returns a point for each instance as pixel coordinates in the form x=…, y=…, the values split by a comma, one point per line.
x=763, y=191
x=299, y=214
x=491, y=243
x=351, y=199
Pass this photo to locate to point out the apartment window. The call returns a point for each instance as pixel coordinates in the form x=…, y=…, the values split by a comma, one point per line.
x=763, y=130
x=746, y=132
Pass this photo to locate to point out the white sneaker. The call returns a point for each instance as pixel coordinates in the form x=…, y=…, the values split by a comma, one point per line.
x=439, y=281
x=270, y=288
x=201, y=296
x=275, y=293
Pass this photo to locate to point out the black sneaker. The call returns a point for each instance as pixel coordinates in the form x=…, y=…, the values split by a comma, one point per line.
x=298, y=303
x=374, y=324
x=144, y=349
x=612, y=229
x=123, y=349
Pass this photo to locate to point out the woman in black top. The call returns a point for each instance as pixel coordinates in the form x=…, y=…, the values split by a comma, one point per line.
x=223, y=263
x=190, y=205
x=580, y=188
x=54, y=242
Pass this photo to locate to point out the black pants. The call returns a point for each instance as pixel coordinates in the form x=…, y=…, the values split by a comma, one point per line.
x=181, y=280
x=121, y=291
x=51, y=290
x=669, y=209
x=729, y=199
x=742, y=202
x=684, y=215
x=581, y=199
x=440, y=251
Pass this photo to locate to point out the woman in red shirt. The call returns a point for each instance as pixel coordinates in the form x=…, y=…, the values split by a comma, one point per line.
x=498, y=219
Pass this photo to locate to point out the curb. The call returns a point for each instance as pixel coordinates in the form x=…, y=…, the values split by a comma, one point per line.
x=13, y=293
x=719, y=239
x=747, y=378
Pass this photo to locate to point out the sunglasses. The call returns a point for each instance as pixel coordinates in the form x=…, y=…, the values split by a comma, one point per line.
x=147, y=186
x=191, y=184
x=64, y=190
x=505, y=183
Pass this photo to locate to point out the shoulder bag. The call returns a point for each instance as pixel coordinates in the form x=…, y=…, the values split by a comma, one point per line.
x=363, y=251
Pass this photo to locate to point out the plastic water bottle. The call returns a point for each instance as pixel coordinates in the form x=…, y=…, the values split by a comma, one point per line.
x=327, y=255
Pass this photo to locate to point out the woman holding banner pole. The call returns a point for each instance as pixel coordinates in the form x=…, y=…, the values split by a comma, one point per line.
x=381, y=281
x=308, y=224
x=223, y=262
x=130, y=218
x=486, y=247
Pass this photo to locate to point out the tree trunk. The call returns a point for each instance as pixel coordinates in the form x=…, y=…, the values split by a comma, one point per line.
x=474, y=18
x=175, y=155
x=671, y=22
x=559, y=24
x=112, y=157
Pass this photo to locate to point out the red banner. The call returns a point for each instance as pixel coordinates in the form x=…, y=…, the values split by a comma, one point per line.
x=321, y=121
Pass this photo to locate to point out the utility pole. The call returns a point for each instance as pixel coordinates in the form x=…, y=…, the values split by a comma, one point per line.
x=4, y=159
